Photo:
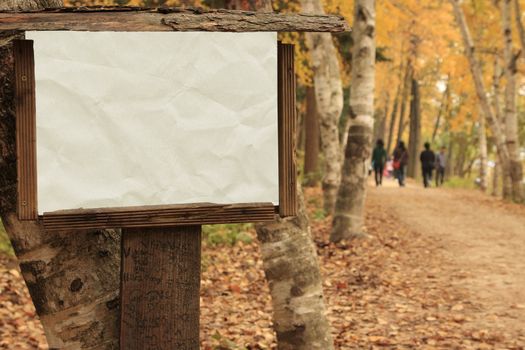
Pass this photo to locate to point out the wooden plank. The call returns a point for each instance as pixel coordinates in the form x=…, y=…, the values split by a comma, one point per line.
x=160, y=282
x=25, y=129
x=287, y=131
x=168, y=19
x=159, y=216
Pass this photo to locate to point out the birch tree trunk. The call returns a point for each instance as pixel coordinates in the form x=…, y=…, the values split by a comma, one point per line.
x=490, y=116
x=511, y=116
x=329, y=95
x=414, y=141
x=73, y=277
x=311, y=142
x=292, y=271
x=482, y=153
x=349, y=211
x=506, y=191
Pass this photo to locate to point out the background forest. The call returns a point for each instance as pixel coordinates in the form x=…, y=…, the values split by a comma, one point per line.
x=420, y=56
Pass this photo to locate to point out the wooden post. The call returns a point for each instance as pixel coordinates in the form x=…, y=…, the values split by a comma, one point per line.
x=160, y=288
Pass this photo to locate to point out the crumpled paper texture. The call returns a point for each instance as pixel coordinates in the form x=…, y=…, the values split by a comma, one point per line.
x=129, y=119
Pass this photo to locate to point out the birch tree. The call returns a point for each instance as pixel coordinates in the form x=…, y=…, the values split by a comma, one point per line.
x=73, y=277
x=511, y=116
x=477, y=77
x=292, y=271
x=329, y=96
x=498, y=110
x=349, y=210
x=414, y=139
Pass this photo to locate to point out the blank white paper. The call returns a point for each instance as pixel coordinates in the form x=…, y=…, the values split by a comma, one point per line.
x=129, y=119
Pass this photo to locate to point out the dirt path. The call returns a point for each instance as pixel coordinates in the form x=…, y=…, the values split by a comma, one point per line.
x=482, y=241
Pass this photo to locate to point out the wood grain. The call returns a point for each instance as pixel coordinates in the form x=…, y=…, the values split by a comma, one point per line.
x=287, y=131
x=25, y=129
x=160, y=282
x=168, y=19
x=159, y=216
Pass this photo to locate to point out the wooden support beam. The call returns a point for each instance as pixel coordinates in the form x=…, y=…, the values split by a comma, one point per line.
x=287, y=131
x=26, y=129
x=168, y=19
x=160, y=288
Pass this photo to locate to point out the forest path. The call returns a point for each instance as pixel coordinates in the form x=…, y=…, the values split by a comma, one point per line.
x=481, y=240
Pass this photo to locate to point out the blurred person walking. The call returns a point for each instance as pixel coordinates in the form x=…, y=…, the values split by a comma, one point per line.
x=400, y=163
x=428, y=159
x=441, y=164
x=378, y=161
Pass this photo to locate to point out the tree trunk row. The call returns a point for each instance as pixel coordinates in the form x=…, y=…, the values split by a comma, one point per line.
x=506, y=142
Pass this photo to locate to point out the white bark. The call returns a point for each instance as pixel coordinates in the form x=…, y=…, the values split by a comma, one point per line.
x=292, y=270
x=329, y=96
x=511, y=116
x=349, y=212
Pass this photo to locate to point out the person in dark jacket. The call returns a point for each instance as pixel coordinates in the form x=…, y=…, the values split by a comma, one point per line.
x=378, y=161
x=400, y=163
x=427, y=158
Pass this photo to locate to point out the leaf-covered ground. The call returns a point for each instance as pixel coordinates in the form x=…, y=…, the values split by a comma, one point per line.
x=406, y=287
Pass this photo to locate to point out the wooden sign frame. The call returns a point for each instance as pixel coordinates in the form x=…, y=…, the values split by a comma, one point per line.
x=151, y=216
